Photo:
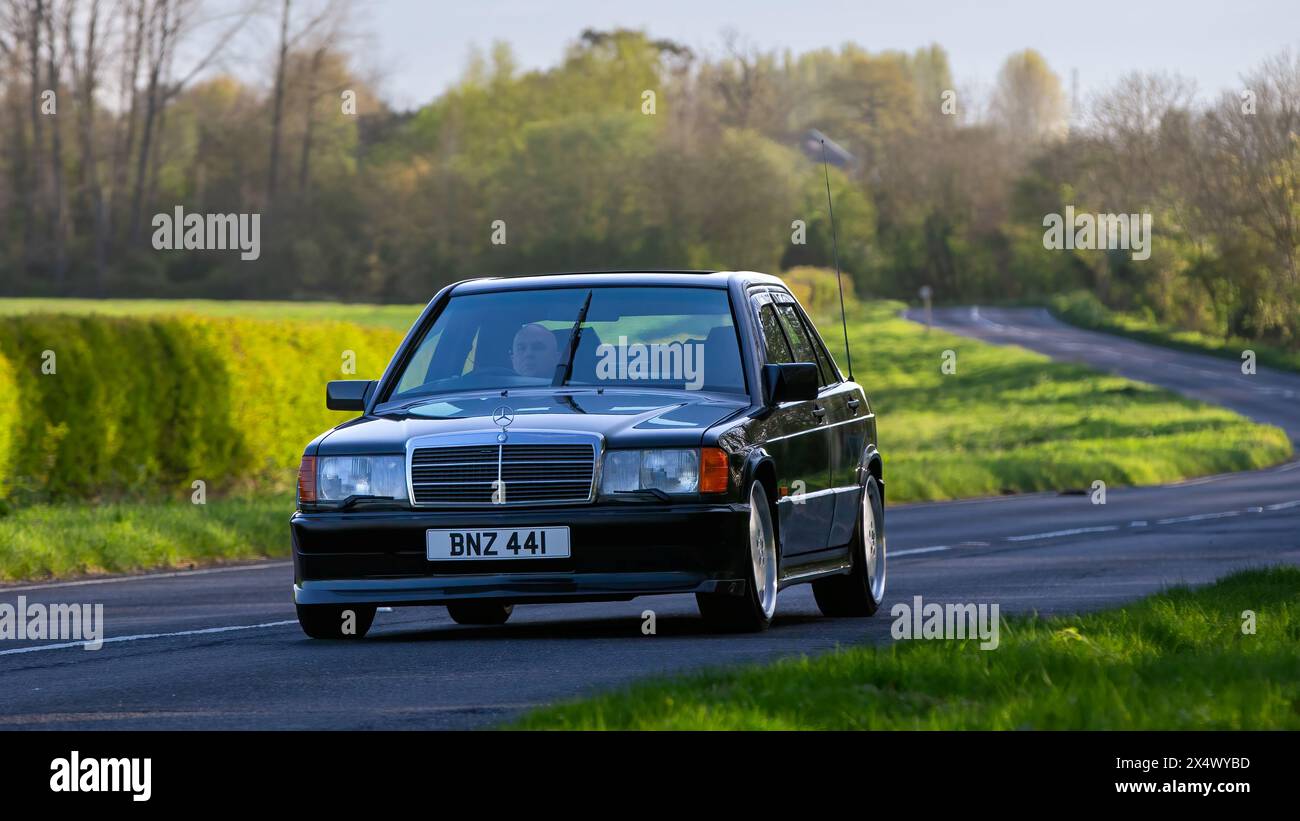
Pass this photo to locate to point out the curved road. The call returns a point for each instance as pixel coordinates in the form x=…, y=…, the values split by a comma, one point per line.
x=219, y=648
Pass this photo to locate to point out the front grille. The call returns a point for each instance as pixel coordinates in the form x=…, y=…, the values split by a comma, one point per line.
x=533, y=473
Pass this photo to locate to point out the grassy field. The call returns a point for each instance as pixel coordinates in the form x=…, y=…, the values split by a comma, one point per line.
x=1010, y=420
x=74, y=540
x=1177, y=660
x=1007, y=421
x=397, y=317
x=1085, y=311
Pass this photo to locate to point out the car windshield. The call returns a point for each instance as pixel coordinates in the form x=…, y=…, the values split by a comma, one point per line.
x=680, y=338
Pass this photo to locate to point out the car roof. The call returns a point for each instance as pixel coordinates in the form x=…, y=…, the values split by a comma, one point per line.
x=642, y=277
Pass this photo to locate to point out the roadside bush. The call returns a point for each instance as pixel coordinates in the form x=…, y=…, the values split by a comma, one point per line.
x=817, y=291
x=135, y=406
x=1083, y=309
x=8, y=419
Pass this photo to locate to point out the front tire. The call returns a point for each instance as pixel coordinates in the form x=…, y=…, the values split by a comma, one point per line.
x=861, y=592
x=753, y=610
x=331, y=621
x=480, y=612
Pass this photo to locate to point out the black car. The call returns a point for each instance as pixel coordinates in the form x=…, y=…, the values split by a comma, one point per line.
x=595, y=437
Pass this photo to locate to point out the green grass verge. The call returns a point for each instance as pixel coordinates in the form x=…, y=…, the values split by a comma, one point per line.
x=1177, y=660
x=73, y=540
x=1010, y=420
x=1083, y=310
x=397, y=317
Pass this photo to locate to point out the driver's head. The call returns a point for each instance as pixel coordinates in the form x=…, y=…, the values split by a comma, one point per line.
x=534, y=352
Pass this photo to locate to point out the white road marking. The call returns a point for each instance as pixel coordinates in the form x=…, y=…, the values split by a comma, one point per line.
x=143, y=636
x=1199, y=517
x=146, y=576
x=897, y=553
x=1283, y=505
x=1136, y=523
x=1204, y=480
x=997, y=326
x=1053, y=534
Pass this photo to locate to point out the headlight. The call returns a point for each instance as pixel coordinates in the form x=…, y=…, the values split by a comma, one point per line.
x=668, y=470
x=339, y=477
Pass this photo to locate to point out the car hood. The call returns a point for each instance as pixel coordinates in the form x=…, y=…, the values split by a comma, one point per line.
x=625, y=418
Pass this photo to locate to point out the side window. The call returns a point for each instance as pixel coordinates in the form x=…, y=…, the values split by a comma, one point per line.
x=794, y=331
x=829, y=375
x=778, y=352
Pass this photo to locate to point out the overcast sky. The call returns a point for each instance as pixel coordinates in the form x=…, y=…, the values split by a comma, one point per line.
x=421, y=46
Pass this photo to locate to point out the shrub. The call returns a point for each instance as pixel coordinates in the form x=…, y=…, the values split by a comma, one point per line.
x=8, y=419
x=817, y=291
x=1082, y=308
x=140, y=405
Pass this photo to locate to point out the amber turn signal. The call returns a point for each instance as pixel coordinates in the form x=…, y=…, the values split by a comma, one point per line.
x=713, y=470
x=307, y=479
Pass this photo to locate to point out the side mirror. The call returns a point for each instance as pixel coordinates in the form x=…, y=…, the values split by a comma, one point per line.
x=348, y=394
x=790, y=382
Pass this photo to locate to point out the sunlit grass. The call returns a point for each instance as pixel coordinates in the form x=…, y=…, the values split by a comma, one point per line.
x=398, y=317
x=1010, y=420
x=1177, y=660
x=72, y=540
x=1083, y=309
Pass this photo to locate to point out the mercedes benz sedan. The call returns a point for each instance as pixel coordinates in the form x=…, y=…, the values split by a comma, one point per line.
x=595, y=437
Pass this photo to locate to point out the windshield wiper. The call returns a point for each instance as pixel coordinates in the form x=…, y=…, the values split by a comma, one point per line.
x=564, y=370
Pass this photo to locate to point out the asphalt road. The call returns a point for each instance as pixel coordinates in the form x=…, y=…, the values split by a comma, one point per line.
x=219, y=648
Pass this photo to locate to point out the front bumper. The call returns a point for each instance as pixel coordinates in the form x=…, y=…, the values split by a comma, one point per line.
x=617, y=552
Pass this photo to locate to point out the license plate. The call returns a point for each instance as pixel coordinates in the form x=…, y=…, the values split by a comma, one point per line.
x=521, y=543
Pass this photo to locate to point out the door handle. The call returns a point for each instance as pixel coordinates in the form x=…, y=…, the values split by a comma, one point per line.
x=818, y=412
x=853, y=404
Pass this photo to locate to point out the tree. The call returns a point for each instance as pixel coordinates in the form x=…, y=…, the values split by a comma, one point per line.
x=1028, y=105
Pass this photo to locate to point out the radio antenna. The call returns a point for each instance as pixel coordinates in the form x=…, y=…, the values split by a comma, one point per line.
x=844, y=323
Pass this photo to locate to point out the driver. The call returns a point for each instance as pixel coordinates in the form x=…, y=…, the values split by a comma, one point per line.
x=534, y=352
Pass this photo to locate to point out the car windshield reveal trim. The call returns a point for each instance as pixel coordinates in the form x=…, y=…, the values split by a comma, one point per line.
x=631, y=336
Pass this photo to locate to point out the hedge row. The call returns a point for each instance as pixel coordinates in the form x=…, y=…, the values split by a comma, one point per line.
x=8, y=419
x=818, y=289
x=102, y=407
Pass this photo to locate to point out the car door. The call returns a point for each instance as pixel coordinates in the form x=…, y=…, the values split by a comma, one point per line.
x=797, y=437
x=847, y=415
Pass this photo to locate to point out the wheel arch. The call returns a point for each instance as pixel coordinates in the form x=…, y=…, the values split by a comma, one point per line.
x=874, y=465
x=760, y=467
